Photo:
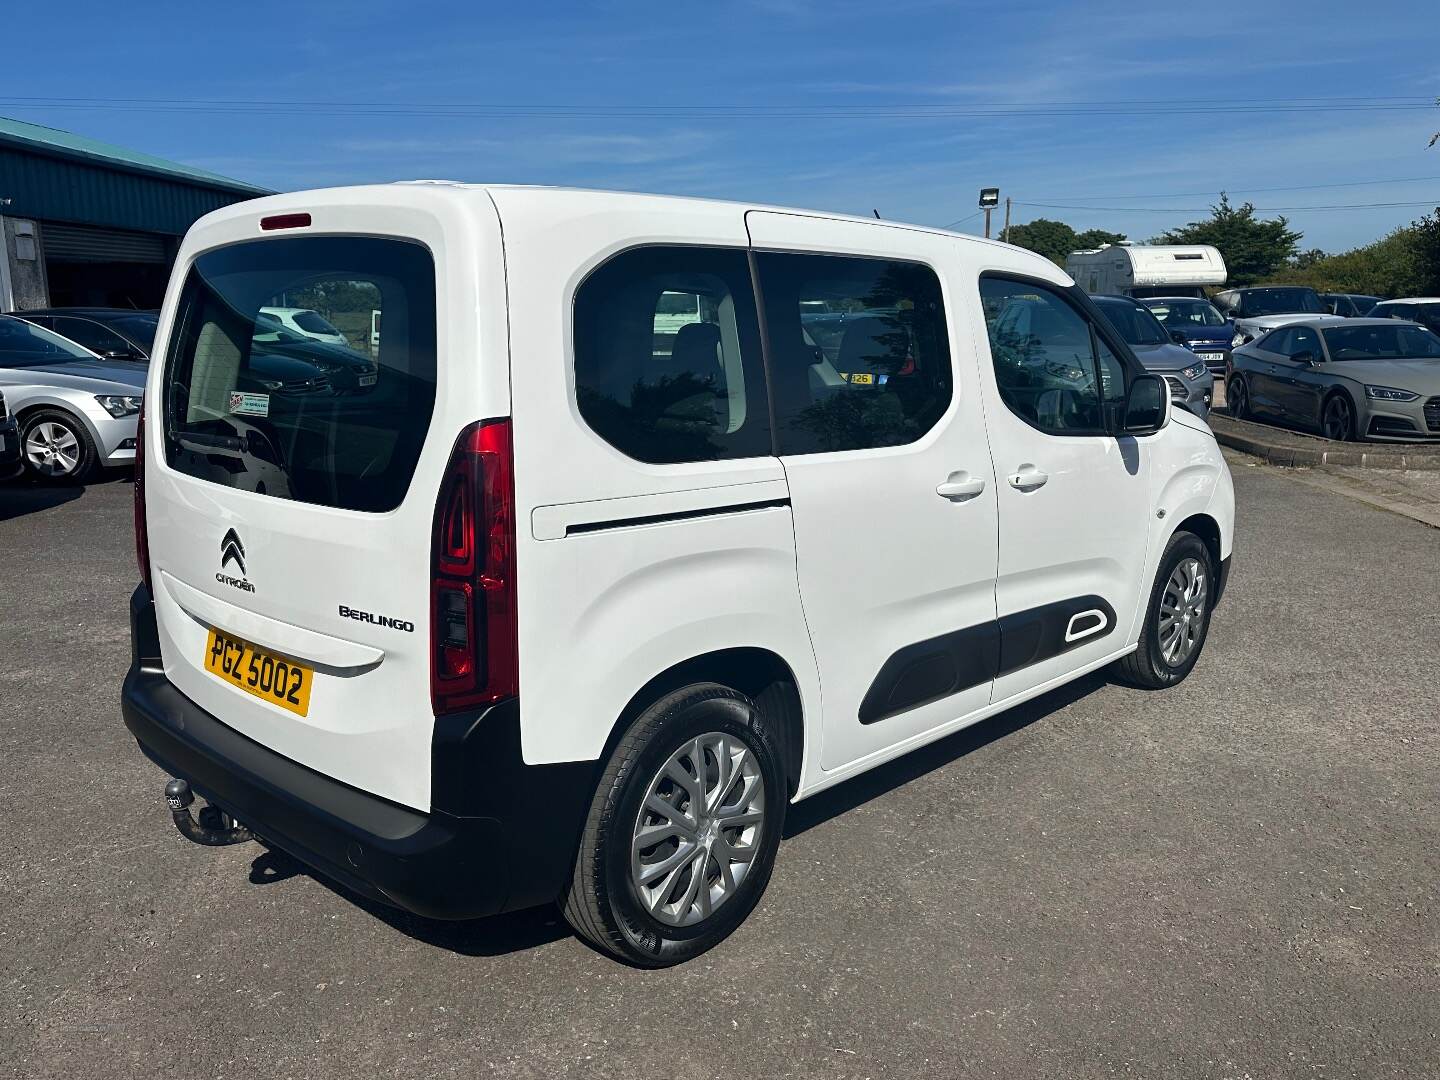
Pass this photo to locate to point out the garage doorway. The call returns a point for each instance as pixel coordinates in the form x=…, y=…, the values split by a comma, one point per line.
x=90, y=267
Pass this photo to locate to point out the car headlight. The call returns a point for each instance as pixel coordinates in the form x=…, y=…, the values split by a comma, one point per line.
x=1194, y=371
x=1390, y=393
x=272, y=384
x=119, y=406
x=1239, y=339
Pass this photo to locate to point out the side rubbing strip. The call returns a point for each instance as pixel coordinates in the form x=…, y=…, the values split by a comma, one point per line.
x=1030, y=637
x=938, y=667
x=930, y=670
x=679, y=515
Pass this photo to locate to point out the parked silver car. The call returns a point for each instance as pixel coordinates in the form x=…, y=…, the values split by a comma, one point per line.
x=77, y=412
x=1189, y=378
x=1359, y=379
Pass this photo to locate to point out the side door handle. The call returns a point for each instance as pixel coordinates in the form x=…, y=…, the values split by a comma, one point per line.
x=1028, y=478
x=960, y=485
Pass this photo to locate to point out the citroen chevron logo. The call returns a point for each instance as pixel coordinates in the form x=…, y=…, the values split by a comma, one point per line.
x=231, y=549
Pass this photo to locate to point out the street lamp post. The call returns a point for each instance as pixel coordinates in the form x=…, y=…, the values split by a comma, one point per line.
x=989, y=199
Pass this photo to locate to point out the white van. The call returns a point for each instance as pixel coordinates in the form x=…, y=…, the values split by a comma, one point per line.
x=558, y=611
x=1142, y=270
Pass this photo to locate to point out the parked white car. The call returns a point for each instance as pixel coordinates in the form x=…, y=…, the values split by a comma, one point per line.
x=77, y=413
x=307, y=323
x=559, y=614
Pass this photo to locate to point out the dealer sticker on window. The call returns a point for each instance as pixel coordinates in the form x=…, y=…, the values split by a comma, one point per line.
x=242, y=404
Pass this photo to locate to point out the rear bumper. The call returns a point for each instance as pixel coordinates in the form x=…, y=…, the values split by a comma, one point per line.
x=506, y=840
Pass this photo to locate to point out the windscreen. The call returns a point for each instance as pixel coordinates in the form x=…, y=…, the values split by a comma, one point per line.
x=1134, y=322
x=1393, y=341
x=1280, y=302
x=138, y=328
x=253, y=406
x=1186, y=314
x=23, y=344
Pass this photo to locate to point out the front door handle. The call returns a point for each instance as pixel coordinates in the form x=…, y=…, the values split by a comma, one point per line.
x=1028, y=478
x=960, y=485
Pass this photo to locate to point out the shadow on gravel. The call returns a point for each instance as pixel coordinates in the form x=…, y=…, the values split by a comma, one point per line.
x=520, y=930
x=22, y=495
x=845, y=797
x=495, y=936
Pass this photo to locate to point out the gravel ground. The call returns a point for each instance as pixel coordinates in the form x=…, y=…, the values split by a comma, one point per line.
x=1235, y=878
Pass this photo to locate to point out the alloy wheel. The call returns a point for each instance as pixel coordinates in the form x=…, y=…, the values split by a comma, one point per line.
x=52, y=449
x=699, y=829
x=1339, y=419
x=1182, y=611
x=1235, y=394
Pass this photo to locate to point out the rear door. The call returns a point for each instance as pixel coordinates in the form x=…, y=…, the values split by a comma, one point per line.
x=880, y=431
x=290, y=495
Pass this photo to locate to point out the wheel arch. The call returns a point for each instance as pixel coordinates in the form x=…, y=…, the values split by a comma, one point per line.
x=1208, y=530
x=758, y=673
x=49, y=403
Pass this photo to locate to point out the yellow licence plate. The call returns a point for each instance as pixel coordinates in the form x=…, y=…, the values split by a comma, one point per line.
x=276, y=679
x=862, y=379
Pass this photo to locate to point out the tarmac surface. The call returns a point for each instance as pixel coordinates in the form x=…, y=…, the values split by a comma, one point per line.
x=1234, y=878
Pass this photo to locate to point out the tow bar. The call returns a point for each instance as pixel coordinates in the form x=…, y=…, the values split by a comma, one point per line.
x=215, y=827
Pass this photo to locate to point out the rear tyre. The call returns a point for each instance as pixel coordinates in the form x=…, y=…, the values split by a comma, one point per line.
x=1177, y=619
x=1337, y=418
x=56, y=447
x=1237, y=398
x=682, y=831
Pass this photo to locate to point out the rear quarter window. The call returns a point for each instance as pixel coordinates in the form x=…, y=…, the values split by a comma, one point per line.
x=668, y=366
x=254, y=407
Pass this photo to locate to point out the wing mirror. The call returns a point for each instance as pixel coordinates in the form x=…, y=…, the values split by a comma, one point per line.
x=1147, y=405
x=1179, y=338
x=1306, y=357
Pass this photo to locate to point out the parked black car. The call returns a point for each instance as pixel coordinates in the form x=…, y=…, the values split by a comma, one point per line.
x=114, y=333
x=1351, y=305
x=1422, y=309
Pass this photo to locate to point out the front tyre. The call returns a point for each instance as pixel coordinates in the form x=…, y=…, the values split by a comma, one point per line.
x=1337, y=419
x=57, y=447
x=682, y=831
x=1177, y=619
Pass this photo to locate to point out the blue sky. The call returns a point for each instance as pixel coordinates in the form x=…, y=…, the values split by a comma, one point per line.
x=765, y=100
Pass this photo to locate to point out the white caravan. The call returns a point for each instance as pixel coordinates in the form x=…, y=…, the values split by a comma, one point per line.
x=1147, y=270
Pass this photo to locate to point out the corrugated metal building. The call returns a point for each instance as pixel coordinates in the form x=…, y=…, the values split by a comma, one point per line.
x=89, y=224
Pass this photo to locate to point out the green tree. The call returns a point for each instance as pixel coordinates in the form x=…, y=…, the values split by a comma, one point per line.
x=1053, y=239
x=1253, y=247
x=1094, y=238
x=1426, y=253
x=1394, y=265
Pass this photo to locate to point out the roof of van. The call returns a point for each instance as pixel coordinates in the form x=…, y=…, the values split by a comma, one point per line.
x=811, y=211
x=639, y=200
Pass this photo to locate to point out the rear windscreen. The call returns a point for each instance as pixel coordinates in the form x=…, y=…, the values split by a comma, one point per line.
x=253, y=404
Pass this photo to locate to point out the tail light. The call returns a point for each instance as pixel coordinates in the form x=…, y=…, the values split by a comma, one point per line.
x=474, y=637
x=142, y=536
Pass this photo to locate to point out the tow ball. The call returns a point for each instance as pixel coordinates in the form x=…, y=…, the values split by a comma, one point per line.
x=215, y=827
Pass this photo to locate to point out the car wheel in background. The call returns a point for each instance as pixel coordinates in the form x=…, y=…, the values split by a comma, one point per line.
x=682, y=831
x=1337, y=418
x=57, y=447
x=1177, y=619
x=1237, y=398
